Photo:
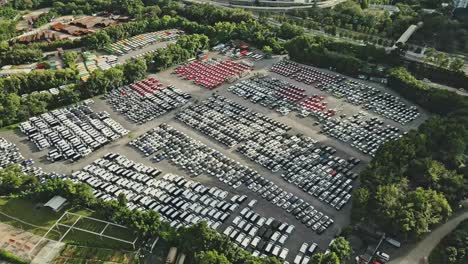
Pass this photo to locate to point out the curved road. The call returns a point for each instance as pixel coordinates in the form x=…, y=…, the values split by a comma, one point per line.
x=424, y=247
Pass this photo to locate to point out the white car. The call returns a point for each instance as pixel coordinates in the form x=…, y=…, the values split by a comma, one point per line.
x=303, y=248
x=276, y=250
x=284, y=253
x=252, y=203
x=297, y=259
x=312, y=248
x=290, y=229
x=228, y=230
x=283, y=239
x=305, y=260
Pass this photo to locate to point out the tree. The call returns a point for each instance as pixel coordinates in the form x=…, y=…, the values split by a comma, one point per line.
x=267, y=50
x=69, y=58
x=20, y=55
x=97, y=40
x=457, y=65
x=364, y=4
x=342, y=248
x=321, y=258
x=134, y=70
x=97, y=83
x=289, y=31
x=429, y=55
x=211, y=257
x=442, y=60
x=13, y=180
x=360, y=203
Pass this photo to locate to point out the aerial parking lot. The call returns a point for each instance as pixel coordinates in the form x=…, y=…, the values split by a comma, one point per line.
x=270, y=159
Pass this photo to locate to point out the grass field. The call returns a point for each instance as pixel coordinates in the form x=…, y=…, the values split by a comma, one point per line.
x=74, y=254
x=30, y=212
x=40, y=219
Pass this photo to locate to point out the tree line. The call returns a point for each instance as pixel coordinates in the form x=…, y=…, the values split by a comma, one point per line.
x=416, y=182
x=344, y=57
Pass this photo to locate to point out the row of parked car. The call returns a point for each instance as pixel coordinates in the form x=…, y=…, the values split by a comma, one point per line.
x=196, y=158
x=237, y=53
x=9, y=154
x=305, y=252
x=313, y=168
x=282, y=96
x=364, y=134
x=139, y=41
x=304, y=74
x=211, y=73
x=145, y=100
x=260, y=235
x=357, y=93
x=179, y=201
x=72, y=132
x=228, y=122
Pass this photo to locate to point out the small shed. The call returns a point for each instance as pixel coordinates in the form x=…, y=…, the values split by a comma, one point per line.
x=56, y=203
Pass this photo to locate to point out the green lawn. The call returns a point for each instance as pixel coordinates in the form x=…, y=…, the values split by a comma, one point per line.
x=73, y=254
x=33, y=213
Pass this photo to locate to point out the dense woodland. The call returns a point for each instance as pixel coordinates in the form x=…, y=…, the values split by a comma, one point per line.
x=418, y=181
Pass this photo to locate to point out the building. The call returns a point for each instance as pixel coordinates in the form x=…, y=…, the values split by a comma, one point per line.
x=56, y=203
x=91, y=22
x=69, y=29
x=44, y=35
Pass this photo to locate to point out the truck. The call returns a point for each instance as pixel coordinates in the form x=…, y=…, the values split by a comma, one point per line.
x=171, y=257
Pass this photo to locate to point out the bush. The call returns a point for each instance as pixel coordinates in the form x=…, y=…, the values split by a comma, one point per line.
x=9, y=257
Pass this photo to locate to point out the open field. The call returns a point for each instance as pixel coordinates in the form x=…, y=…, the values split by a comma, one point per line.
x=40, y=219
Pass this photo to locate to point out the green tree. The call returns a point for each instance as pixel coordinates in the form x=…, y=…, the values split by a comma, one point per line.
x=457, y=64
x=211, y=257
x=321, y=258
x=360, y=203
x=342, y=248
x=134, y=70
x=267, y=50
x=69, y=58
x=364, y=4
x=13, y=180
x=442, y=60
x=289, y=31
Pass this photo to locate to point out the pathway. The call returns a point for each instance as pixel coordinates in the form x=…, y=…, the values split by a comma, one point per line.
x=425, y=246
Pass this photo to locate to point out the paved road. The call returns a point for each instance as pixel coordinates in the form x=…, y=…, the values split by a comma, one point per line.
x=323, y=4
x=425, y=246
